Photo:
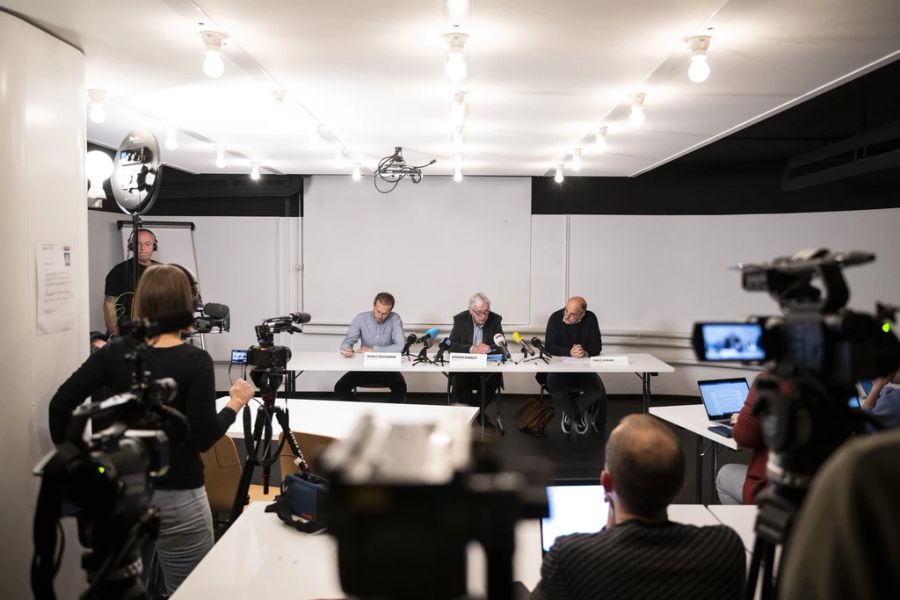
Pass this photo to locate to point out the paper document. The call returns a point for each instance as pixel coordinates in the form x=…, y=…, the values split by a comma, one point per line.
x=55, y=288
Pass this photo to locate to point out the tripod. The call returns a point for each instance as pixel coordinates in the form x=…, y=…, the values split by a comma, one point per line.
x=268, y=381
x=423, y=354
x=542, y=356
x=773, y=525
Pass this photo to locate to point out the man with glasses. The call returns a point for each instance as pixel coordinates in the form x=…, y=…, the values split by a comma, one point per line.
x=473, y=332
x=378, y=330
x=573, y=331
x=118, y=292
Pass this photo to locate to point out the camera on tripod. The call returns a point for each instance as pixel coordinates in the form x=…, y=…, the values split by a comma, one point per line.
x=267, y=355
x=106, y=481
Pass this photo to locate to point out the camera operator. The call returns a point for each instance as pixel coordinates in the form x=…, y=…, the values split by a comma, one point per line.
x=186, y=532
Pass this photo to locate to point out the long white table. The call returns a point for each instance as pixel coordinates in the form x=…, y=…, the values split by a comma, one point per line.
x=693, y=418
x=259, y=556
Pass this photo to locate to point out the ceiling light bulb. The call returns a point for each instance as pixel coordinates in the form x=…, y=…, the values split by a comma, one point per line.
x=698, y=72
x=212, y=64
x=600, y=143
x=220, y=157
x=171, y=139
x=97, y=114
x=559, y=177
x=98, y=166
x=357, y=173
x=637, y=118
x=254, y=171
x=456, y=57
x=457, y=12
x=458, y=110
x=576, y=160
x=457, y=175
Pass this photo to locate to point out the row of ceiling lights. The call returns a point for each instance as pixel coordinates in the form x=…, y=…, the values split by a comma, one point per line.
x=698, y=72
x=457, y=16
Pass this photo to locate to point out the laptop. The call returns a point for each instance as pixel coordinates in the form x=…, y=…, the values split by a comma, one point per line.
x=576, y=506
x=721, y=399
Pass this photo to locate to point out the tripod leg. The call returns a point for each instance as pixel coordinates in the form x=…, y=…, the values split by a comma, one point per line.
x=240, y=495
x=768, y=585
x=291, y=440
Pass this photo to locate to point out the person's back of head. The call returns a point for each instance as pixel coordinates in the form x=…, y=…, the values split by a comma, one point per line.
x=646, y=465
x=162, y=290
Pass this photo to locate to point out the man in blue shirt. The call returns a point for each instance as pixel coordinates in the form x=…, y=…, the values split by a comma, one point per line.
x=884, y=399
x=376, y=330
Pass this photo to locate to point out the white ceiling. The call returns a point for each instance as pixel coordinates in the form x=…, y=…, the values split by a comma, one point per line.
x=542, y=75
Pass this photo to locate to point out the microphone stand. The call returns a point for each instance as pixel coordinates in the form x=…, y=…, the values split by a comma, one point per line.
x=439, y=357
x=423, y=354
x=541, y=356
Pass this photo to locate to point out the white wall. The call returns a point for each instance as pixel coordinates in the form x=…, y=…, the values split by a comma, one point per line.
x=42, y=199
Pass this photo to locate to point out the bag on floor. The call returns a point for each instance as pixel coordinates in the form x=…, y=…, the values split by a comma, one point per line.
x=300, y=501
x=533, y=417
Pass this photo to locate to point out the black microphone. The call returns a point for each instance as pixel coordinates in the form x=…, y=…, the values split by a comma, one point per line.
x=500, y=341
x=537, y=343
x=300, y=317
x=216, y=311
x=410, y=340
x=442, y=347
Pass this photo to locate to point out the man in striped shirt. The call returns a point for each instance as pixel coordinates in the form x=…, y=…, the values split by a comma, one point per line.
x=640, y=553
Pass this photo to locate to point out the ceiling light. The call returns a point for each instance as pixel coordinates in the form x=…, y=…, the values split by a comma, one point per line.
x=637, y=118
x=558, y=178
x=97, y=114
x=698, y=72
x=220, y=157
x=171, y=139
x=458, y=110
x=457, y=175
x=456, y=58
x=600, y=142
x=254, y=171
x=456, y=138
x=576, y=160
x=457, y=12
x=98, y=166
x=457, y=161
x=212, y=64
x=357, y=173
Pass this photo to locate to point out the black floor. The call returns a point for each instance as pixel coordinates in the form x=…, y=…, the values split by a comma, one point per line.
x=571, y=456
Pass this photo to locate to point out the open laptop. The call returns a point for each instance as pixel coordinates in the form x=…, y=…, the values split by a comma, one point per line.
x=576, y=506
x=721, y=399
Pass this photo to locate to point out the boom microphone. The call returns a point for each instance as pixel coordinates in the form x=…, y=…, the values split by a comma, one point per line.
x=217, y=311
x=527, y=350
x=429, y=335
x=500, y=341
x=300, y=317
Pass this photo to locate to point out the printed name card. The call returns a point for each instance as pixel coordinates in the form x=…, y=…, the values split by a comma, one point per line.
x=460, y=359
x=610, y=361
x=381, y=359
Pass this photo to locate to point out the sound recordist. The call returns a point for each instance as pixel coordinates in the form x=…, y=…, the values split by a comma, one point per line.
x=118, y=292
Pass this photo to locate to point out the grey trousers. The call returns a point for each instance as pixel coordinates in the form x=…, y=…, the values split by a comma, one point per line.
x=730, y=483
x=185, y=532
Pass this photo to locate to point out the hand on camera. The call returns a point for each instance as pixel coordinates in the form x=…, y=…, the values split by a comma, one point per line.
x=241, y=393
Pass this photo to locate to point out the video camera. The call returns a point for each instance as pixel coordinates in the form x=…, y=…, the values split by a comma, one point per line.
x=267, y=355
x=212, y=316
x=406, y=500
x=106, y=482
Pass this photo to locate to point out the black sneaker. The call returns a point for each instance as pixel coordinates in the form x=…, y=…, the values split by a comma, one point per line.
x=581, y=426
x=565, y=423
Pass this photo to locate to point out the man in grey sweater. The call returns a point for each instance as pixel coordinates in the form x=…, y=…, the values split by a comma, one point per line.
x=378, y=330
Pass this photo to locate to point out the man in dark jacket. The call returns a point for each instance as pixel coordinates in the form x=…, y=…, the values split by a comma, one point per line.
x=473, y=332
x=573, y=331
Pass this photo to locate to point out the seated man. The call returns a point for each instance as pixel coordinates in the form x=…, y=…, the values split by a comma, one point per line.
x=883, y=400
x=573, y=331
x=640, y=553
x=473, y=332
x=380, y=330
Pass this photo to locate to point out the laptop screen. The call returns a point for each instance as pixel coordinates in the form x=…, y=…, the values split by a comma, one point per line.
x=576, y=506
x=723, y=397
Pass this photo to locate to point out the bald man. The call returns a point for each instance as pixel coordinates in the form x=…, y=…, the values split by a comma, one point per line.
x=573, y=331
x=118, y=292
x=640, y=553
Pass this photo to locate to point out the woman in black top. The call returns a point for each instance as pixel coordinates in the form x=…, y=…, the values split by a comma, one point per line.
x=186, y=532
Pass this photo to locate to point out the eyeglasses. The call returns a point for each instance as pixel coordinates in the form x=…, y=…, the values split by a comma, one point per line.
x=480, y=313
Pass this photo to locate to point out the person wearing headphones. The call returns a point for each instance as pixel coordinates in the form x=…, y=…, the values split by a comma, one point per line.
x=118, y=292
x=186, y=529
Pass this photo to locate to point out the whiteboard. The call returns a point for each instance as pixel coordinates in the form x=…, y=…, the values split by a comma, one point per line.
x=175, y=244
x=432, y=245
x=662, y=273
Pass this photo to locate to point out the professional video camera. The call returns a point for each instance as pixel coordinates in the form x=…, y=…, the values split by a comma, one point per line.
x=212, y=316
x=405, y=500
x=106, y=481
x=813, y=356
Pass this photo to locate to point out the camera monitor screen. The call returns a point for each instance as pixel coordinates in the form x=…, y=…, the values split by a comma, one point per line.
x=576, y=506
x=239, y=357
x=731, y=341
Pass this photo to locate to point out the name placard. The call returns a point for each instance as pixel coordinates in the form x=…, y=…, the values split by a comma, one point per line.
x=610, y=361
x=381, y=359
x=460, y=359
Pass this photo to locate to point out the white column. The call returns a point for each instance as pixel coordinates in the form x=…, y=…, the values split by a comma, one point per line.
x=42, y=199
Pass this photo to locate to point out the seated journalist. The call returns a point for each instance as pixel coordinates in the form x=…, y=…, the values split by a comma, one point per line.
x=737, y=483
x=573, y=331
x=186, y=530
x=883, y=400
x=378, y=330
x=640, y=553
x=473, y=332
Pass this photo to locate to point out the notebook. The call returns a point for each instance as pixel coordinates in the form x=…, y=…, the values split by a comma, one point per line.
x=576, y=506
x=722, y=398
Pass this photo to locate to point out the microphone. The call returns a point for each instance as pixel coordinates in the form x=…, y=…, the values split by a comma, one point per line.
x=500, y=340
x=300, y=317
x=429, y=335
x=527, y=350
x=216, y=311
x=442, y=347
x=537, y=343
x=410, y=340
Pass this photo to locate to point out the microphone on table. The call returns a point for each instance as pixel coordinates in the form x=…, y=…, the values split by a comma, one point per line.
x=537, y=343
x=527, y=350
x=500, y=341
x=442, y=347
x=429, y=335
x=410, y=340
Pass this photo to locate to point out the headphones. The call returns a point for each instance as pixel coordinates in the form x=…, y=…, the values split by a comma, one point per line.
x=131, y=239
x=195, y=290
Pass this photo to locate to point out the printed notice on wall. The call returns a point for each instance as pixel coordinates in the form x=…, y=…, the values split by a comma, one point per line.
x=55, y=288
